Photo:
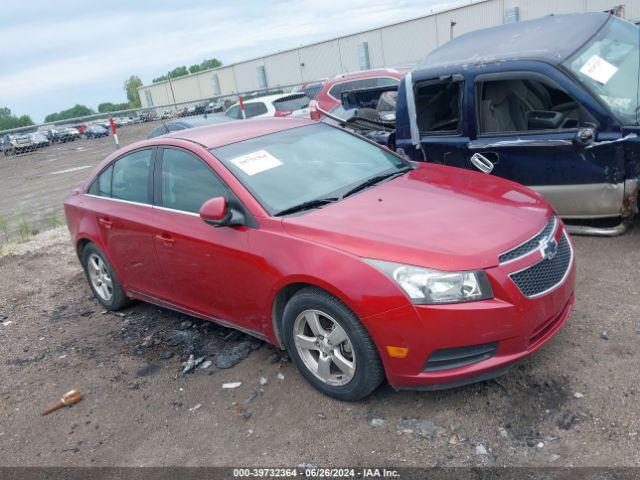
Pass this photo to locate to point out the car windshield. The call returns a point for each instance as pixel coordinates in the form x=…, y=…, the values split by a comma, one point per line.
x=304, y=164
x=609, y=66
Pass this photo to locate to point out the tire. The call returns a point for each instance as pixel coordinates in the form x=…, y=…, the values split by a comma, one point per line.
x=99, y=274
x=307, y=348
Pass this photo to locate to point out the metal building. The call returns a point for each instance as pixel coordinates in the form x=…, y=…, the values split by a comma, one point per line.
x=381, y=47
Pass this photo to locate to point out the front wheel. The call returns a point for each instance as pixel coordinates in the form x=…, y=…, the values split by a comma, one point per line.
x=102, y=280
x=329, y=345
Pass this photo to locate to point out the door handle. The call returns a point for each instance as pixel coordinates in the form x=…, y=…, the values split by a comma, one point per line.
x=482, y=163
x=105, y=222
x=166, y=239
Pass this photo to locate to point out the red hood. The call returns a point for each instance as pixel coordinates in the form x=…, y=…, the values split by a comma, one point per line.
x=438, y=217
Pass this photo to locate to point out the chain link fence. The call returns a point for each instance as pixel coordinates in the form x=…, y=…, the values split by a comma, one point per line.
x=41, y=164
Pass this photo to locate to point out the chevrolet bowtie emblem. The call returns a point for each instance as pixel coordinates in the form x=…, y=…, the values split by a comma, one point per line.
x=548, y=248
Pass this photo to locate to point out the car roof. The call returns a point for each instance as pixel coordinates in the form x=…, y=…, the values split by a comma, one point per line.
x=380, y=72
x=213, y=136
x=550, y=39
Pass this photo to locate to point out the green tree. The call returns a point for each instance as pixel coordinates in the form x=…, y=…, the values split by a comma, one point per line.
x=112, y=107
x=8, y=120
x=205, y=65
x=131, y=86
x=73, y=112
x=179, y=72
x=182, y=71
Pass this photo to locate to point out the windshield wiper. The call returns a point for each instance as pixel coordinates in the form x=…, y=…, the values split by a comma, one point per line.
x=318, y=202
x=373, y=180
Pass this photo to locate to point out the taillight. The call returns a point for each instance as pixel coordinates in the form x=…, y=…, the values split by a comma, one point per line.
x=314, y=114
x=283, y=113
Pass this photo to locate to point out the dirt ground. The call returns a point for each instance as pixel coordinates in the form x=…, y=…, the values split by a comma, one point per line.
x=574, y=403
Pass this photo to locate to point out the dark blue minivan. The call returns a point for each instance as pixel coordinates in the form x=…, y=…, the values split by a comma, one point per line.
x=550, y=103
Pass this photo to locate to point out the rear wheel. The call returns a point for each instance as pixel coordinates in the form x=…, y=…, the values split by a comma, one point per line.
x=329, y=345
x=102, y=280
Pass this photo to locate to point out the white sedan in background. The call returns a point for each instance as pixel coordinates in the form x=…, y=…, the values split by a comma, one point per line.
x=281, y=105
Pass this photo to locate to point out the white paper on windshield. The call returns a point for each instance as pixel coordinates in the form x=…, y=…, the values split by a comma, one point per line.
x=256, y=162
x=598, y=69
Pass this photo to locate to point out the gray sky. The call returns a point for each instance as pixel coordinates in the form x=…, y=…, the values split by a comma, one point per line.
x=57, y=54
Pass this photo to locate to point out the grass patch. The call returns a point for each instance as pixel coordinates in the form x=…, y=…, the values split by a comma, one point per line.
x=4, y=228
x=53, y=219
x=25, y=231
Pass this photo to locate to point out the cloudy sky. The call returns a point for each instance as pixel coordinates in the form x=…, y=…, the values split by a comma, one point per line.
x=57, y=54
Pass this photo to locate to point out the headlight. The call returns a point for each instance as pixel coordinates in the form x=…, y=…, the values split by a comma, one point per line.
x=425, y=286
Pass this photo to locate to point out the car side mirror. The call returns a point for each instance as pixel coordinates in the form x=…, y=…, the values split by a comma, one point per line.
x=216, y=212
x=585, y=137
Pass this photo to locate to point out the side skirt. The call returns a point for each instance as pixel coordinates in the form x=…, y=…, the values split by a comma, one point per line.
x=162, y=303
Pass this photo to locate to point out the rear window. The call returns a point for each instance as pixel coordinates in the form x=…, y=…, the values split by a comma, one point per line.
x=312, y=90
x=336, y=90
x=292, y=102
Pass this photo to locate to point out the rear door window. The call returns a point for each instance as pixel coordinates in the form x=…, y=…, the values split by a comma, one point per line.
x=104, y=182
x=187, y=182
x=130, y=180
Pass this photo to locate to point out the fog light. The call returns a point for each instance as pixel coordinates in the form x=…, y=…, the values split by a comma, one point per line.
x=397, y=352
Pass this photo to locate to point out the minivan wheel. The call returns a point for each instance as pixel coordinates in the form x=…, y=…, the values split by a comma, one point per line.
x=329, y=345
x=102, y=280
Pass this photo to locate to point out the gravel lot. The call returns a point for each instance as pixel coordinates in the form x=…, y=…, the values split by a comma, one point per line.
x=575, y=402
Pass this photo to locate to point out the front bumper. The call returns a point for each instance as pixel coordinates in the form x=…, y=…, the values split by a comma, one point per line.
x=517, y=324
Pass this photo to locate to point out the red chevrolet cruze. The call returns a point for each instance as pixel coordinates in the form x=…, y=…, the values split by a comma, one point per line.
x=361, y=264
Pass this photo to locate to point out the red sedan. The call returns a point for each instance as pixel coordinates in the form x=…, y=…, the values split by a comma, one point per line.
x=364, y=266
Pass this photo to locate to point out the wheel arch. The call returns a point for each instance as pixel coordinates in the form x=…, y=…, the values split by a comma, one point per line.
x=81, y=244
x=287, y=290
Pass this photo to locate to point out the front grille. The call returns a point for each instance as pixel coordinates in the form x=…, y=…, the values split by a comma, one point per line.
x=449, y=358
x=531, y=244
x=546, y=274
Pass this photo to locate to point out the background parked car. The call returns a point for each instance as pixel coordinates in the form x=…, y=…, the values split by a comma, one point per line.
x=215, y=106
x=187, y=122
x=39, y=139
x=17, y=143
x=96, y=131
x=281, y=105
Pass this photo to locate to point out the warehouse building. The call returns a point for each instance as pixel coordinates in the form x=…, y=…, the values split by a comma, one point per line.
x=381, y=47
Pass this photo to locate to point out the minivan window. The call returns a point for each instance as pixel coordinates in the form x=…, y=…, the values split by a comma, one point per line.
x=336, y=90
x=131, y=177
x=187, y=182
x=301, y=164
x=609, y=66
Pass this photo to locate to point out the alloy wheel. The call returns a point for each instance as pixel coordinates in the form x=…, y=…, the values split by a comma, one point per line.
x=324, y=347
x=100, y=277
